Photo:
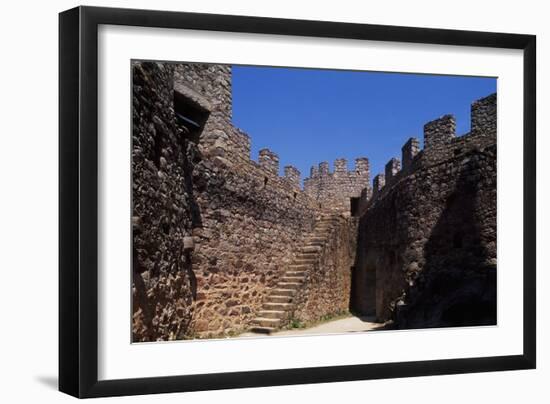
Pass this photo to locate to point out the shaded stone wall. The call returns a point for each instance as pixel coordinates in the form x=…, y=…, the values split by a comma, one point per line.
x=163, y=281
x=333, y=191
x=326, y=291
x=251, y=223
x=427, y=239
x=213, y=229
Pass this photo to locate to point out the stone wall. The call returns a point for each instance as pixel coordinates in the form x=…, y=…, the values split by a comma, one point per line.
x=427, y=239
x=251, y=222
x=333, y=190
x=326, y=291
x=163, y=281
x=213, y=229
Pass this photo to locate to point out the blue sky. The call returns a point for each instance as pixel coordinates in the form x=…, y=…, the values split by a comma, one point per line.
x=309, y=115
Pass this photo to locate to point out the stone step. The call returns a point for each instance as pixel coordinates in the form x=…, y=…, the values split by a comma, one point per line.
x=326, y=222
x=310, y=250
x=283, y=292
x=328, y=217
x=277, y=306
x=288, y=278
x=272, y=314
x=288, y=285
x=278, y=299
x=262, y=330
x=324, y=233
x=299, y=267
x=307, y=256
x=267, y=322
x=296, y=273
x=309, y=261
x=316, y=239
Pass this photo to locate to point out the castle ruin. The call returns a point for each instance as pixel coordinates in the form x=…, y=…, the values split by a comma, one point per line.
x=222, y=244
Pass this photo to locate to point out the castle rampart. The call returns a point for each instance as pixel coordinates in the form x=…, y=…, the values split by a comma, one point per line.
x=214, y=230
x=439, y=131
x=333, y=190
x=292, y=175
x=236, y=219
x=431, y=230
x=269, y=161
x=440, y=144
x=409, y=152
x=392, y=168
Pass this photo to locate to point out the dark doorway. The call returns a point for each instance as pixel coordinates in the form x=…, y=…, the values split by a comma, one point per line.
x=354, y=202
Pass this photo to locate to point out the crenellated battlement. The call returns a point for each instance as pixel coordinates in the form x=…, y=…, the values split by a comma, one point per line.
x=328, y=188
x=198, y=191
x=439, y=131
x=484, y=116
x=323, y=169
x=440, y=144
x=409, y=152
x=269, y=161
x=392, y=169
x=433, y=222
x=333, y=190
x=292, y=175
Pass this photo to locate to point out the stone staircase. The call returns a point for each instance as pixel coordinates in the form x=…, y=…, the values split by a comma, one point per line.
x=277, y=309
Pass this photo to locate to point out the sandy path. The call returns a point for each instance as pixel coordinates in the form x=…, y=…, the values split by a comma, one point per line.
x=343, y=325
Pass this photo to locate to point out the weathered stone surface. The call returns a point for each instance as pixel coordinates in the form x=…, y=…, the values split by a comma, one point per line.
x=221, y=240
x=223, y=226
x=427, y=241
x=333, y=191
x=163, y=283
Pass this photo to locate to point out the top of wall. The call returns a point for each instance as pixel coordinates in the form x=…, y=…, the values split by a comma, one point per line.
x=440, y=144
x=209, y=86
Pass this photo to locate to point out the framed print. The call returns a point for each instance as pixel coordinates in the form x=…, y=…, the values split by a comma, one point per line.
x=251, y=201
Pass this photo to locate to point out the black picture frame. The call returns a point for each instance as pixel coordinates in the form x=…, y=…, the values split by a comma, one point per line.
x=78, y=201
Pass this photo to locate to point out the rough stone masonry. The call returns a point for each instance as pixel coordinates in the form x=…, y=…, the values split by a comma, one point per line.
x=215, y=232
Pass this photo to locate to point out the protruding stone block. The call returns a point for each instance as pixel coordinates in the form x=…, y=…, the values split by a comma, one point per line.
x=269, y=161
x=314, y=172
x=292, y=174
x=362, y=166
x=188, y=243
x=392, y=168
x=439, y=131
x=484, y=116
x=378, y=183
x=340, y=167
x=409, y=151
x=323, y=168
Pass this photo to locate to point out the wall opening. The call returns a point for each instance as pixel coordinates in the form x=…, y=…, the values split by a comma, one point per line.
x=354, y=207
x=190, y=117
